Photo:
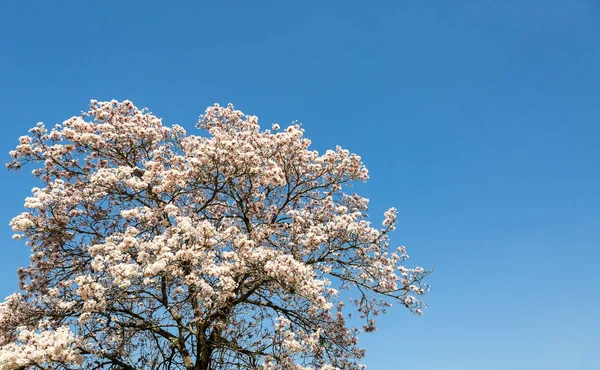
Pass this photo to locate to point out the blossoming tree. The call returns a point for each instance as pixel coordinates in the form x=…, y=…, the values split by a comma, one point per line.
x=153, y=249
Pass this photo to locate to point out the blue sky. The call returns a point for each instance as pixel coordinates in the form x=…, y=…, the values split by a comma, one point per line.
x=478, y=120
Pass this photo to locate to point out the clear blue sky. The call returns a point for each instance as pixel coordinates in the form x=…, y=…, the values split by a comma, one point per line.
x=478, y=120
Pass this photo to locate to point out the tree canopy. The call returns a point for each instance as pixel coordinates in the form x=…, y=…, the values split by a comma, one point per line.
x=235, y=249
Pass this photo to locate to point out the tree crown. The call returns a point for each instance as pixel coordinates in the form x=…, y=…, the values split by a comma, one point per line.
x=155, y=249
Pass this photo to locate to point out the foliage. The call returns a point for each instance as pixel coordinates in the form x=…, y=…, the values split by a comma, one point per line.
x=154, y=249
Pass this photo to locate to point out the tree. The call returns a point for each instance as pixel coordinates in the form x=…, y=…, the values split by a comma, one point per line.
x=153, y=249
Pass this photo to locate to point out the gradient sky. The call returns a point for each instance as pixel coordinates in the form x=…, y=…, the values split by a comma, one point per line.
x=478, y=120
